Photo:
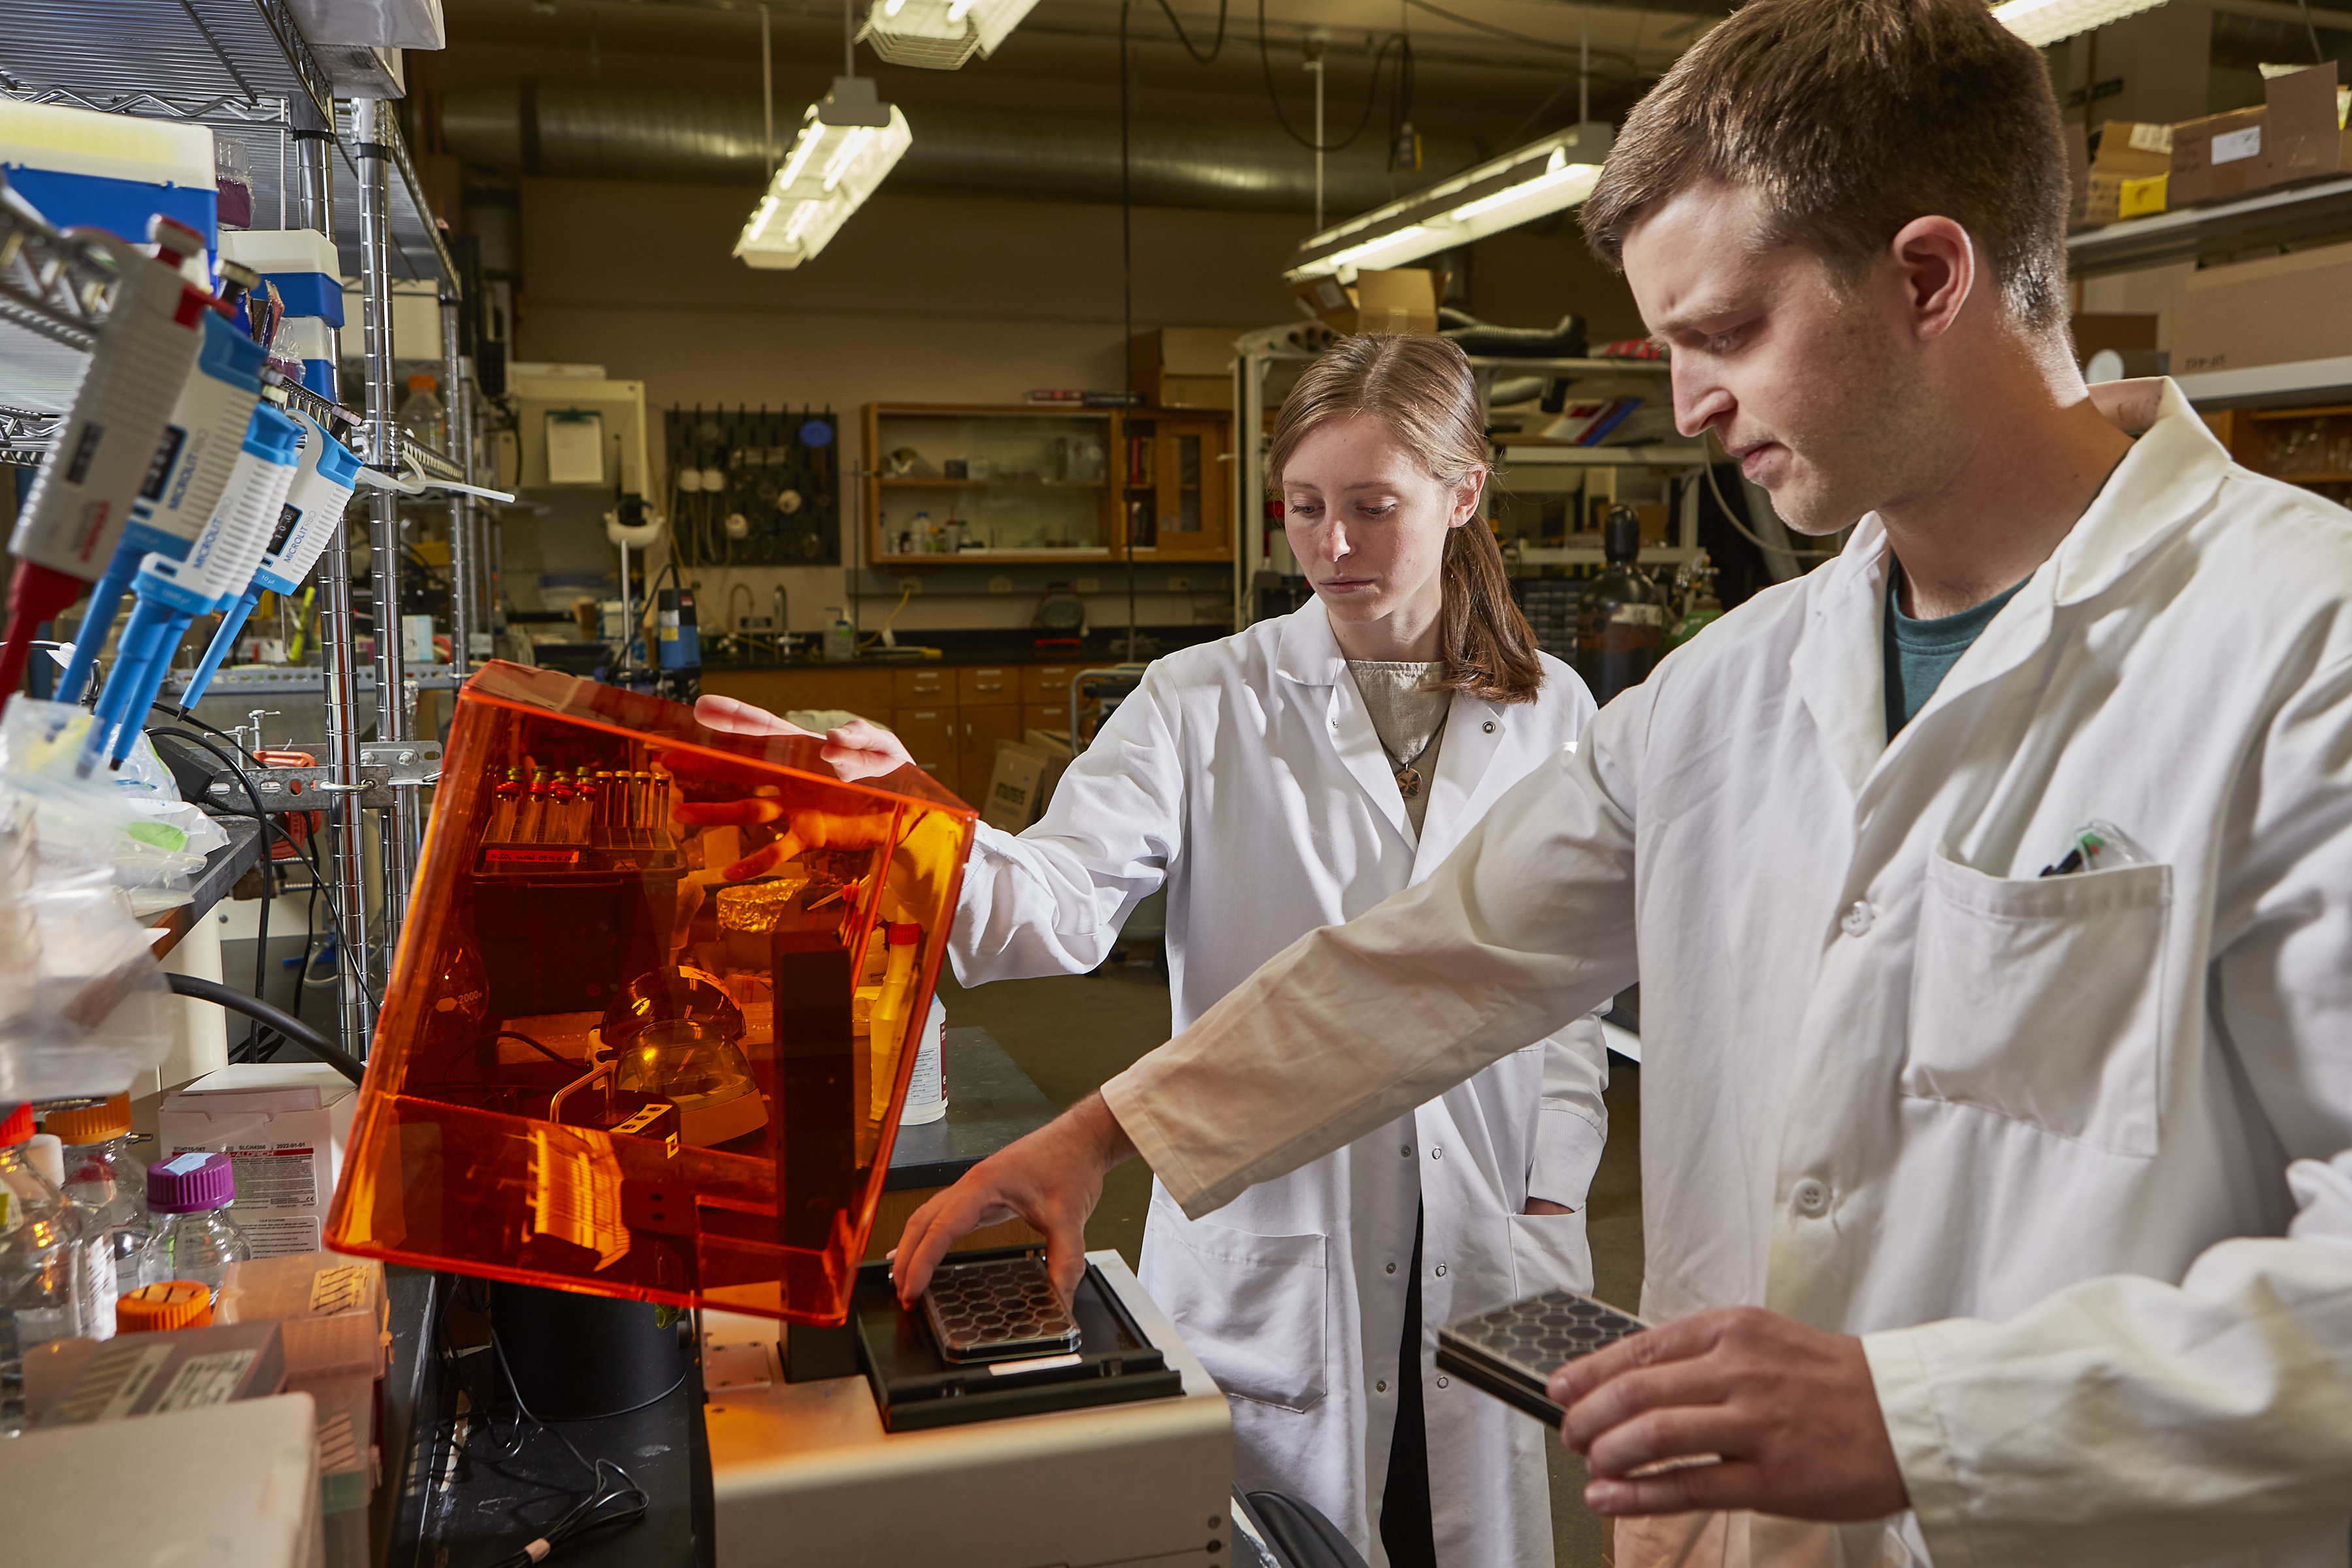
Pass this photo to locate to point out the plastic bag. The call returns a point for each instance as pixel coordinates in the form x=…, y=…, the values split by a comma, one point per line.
x=85, y=820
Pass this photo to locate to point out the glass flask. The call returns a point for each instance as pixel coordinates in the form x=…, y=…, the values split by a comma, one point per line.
x=616, y=1052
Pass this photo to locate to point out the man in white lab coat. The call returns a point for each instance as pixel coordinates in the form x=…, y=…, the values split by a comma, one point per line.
x=1991, y=888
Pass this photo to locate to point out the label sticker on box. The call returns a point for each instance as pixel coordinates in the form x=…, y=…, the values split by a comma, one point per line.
x=204, y=1380
x=339, y=1289
x=2145, y=138
x=2234, y=145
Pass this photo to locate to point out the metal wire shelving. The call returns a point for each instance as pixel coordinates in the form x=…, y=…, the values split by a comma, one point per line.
x=242, y=69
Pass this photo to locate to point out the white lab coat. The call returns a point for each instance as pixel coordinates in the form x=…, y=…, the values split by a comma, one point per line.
x=1245, y=775
x=2072, y=1153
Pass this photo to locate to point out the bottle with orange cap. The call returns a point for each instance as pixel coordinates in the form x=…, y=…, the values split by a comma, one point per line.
x=45, y=1277
x=106, y=1181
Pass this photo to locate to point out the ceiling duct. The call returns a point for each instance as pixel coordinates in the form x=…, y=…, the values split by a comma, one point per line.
x=577, y=131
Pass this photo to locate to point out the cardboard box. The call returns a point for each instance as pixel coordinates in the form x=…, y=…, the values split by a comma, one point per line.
x=1398, y=300
x=2130, y=153
x=1183, y=367
x=2277, y=311
x=284, y=1124
x=143, y=1374
x=2218, y=156
x=2305, y=134
x=2125, y=334
x=1013, y=799
x=1059, y=754
x=332, y=1310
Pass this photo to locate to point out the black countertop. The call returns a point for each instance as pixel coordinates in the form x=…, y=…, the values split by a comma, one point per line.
x=224, y=866
x=990, y=1103
x=964, y=646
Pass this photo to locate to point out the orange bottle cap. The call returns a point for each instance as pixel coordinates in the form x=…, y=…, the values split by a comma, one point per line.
x=94, y=1124
x=159, y=1308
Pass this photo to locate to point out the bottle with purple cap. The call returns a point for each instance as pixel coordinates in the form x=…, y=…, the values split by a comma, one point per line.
x=189, y=1196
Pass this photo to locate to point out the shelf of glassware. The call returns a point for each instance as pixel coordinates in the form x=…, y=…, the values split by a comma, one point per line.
x=1020, y=484
x=1047, y=487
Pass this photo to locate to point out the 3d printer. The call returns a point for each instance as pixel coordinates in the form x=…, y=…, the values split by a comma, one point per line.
x=645, y=1036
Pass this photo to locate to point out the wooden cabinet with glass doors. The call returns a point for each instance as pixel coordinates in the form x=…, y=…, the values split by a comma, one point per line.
x=967, y=486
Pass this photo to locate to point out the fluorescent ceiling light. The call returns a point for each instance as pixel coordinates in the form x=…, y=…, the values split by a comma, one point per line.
x=847, y=143
x=940, y=34
x=1541, y=178
x=2044, y=22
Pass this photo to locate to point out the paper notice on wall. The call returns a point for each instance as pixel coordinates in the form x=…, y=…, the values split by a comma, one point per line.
x=575, y=447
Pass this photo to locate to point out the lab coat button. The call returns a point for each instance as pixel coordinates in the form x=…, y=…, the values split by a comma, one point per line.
x=1810, y=1197
x=1488, y=726
x=1405, y=1150
x=1441, y=1383
x=1392, y=1267
x=1437, y=1153
x=1441, y=1271
x=1858, y=919
x=1379, y=1388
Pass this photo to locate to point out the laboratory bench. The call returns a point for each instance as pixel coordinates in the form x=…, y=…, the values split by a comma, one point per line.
x=435, y=1506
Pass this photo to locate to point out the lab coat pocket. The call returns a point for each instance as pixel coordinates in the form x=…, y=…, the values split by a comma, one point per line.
x=1251, y=1307
x=1548, y=1252
x=2043, y=999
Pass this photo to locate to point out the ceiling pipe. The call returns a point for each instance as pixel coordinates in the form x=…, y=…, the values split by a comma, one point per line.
x=568, y=130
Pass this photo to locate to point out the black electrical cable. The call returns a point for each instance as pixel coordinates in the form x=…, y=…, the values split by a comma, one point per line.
x=285, y=1023
x=307, y=852
x=585, y=1514
x=1217, y=45
x=1371, y=94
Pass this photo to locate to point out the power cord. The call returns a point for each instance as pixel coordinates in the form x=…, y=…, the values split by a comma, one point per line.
x=309, y=851
x=1371, y=94
x=609, y=1482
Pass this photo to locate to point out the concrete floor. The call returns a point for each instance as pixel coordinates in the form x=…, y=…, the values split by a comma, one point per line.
x=1069, y=1034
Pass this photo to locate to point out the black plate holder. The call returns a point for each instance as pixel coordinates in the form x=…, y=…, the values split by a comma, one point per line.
x=916, y=1388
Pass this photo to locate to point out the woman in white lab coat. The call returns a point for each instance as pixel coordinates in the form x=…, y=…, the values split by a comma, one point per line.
x=1292, y=777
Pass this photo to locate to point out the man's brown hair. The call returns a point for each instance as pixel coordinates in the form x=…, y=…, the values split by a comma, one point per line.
x=1849, y=119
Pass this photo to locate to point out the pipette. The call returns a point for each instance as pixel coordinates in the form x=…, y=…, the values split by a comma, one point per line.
x=172, y=594
x=184, y=484
x=313, y=516
x=81, y=497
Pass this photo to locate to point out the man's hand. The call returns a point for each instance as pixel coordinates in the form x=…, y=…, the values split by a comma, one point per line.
x=1790, y=1411
x=1052, y=1179
x=858, y=750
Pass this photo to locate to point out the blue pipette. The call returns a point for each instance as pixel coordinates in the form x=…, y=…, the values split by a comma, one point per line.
x=311, y=518
x=184, y=486
x=172, y=594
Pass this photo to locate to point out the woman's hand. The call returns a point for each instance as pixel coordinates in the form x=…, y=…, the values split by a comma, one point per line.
x=858, y=750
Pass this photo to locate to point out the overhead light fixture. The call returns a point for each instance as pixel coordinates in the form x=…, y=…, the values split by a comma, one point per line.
x=2044, y=22
x=1541, y=178
x=848, y=143
x=940, y=34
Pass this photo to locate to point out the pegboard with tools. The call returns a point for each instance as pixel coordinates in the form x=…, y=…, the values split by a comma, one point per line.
x=755, y=487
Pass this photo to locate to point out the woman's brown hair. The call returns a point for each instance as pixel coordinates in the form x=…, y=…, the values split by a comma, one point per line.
x=1421, y=389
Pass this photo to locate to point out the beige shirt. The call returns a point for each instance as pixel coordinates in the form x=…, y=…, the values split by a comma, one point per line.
x=1408, y=713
